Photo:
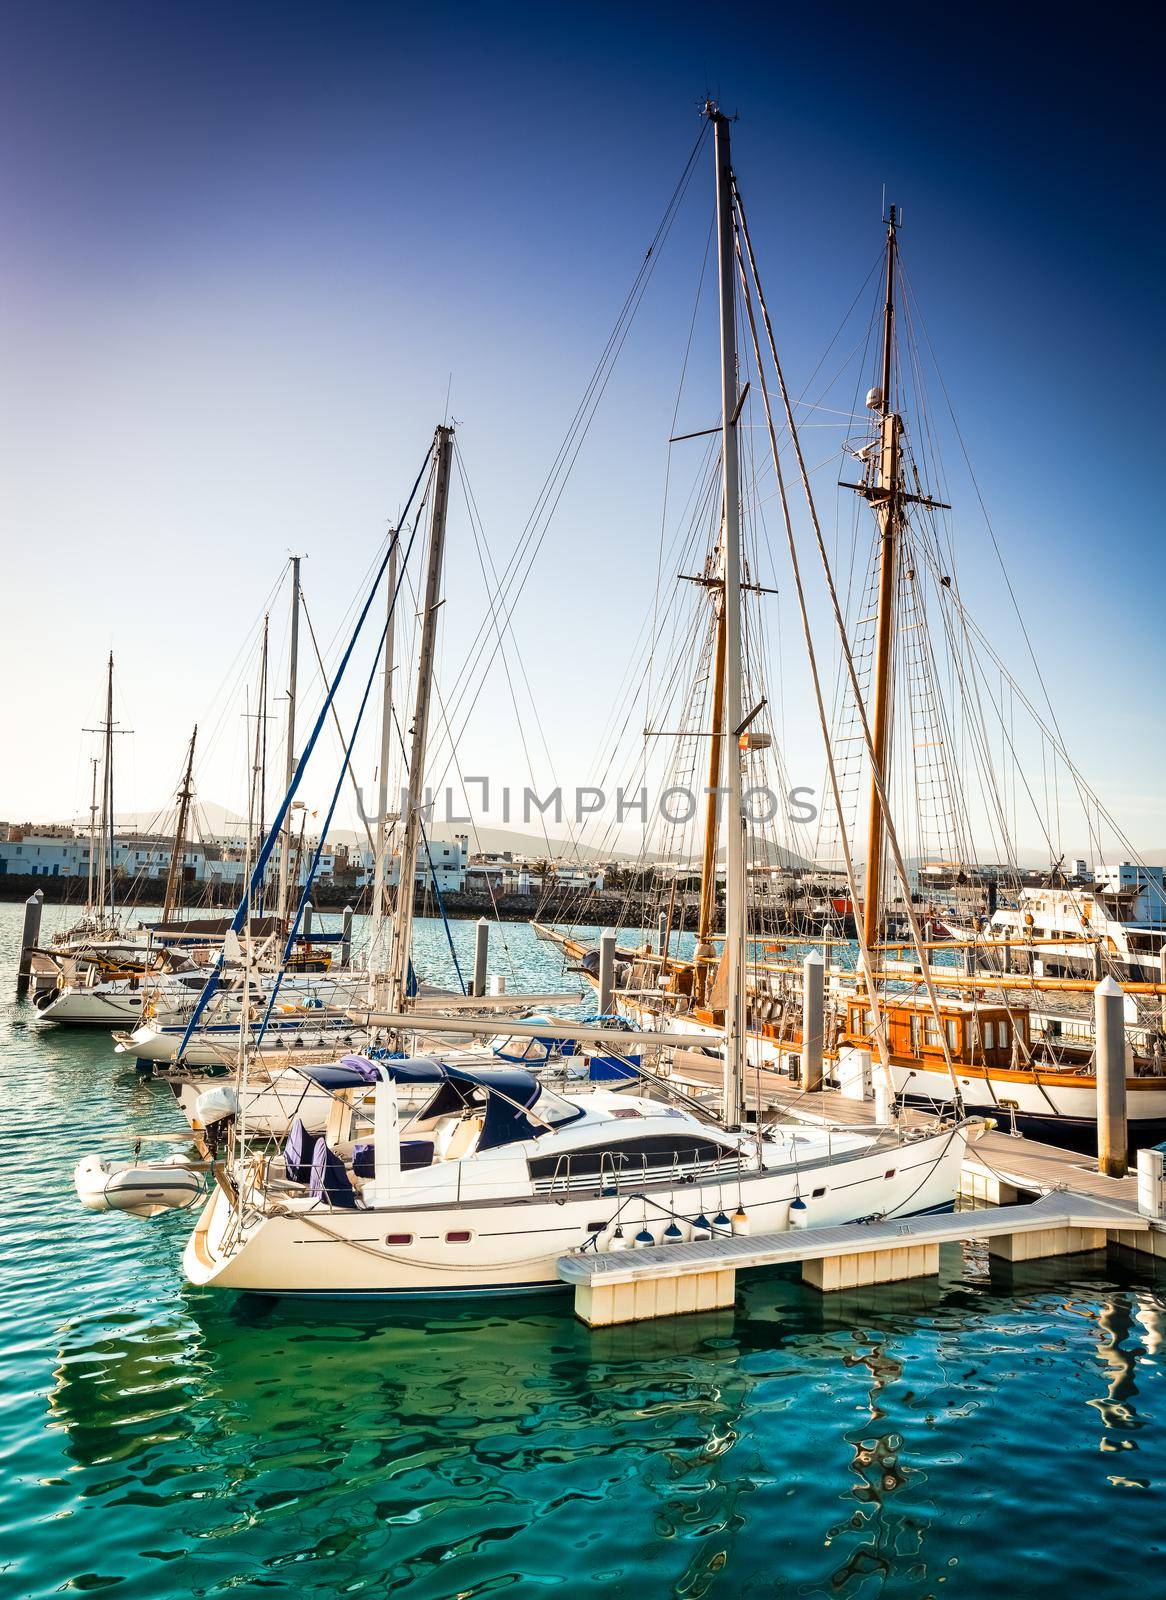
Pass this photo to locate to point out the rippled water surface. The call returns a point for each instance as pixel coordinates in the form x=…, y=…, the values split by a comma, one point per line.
x=990, y=1434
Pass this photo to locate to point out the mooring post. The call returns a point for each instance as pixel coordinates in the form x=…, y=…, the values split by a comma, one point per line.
x=481, y=954
x=663, y=932
x=306, y=920
x=29, y=939
x=1162, y=981
x=813, y=1019
x=1098, y=968
x=606, y=971
x=1109, y=1027
x=346, y=937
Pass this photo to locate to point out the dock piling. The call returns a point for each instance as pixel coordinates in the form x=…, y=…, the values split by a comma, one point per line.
x=606, y=971
x=481, y=954
x=29, y=939
x=346, y=937
x=1110, y=1053
x=813, y=1019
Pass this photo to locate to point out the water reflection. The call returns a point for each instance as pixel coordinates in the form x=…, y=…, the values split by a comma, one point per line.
x=931, y=1437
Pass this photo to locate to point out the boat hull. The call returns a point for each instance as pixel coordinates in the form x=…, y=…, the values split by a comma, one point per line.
x=1058, y=1107
x=515, y=1244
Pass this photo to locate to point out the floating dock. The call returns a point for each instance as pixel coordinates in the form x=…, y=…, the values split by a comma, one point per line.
x=668, y=1280
x=1076, y=1208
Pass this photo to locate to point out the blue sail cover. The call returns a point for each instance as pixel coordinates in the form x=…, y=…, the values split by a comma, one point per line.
x=509, y=1091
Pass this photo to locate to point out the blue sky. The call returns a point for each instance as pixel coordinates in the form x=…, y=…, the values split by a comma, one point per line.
x=247, y=249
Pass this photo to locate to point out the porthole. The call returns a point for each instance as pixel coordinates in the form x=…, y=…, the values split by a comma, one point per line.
x=392, y=1239
x=459, y=1236
x=890, y=1174
x=817, y=1194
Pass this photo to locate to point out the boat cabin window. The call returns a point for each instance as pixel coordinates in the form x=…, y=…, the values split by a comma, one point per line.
x=989, y=1036
x=654, y=1152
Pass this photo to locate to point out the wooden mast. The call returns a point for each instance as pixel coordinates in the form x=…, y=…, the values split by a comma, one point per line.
x=884, y=497
x=173, y=895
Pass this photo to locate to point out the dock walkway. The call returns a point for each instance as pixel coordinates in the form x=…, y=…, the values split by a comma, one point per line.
x=668, y=1280
x=1076, y=1208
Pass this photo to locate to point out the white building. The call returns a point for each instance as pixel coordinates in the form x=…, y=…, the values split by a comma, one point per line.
x=444, y=862
x=1143, y=887
x=59, y=853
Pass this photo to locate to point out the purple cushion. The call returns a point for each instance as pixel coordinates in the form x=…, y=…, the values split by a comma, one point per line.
x=298, y=1152
x=363, y=1065
x=329, y=1180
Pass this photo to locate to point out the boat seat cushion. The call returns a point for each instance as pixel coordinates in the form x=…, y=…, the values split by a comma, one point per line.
x=298, y=1150
x=330, y=1181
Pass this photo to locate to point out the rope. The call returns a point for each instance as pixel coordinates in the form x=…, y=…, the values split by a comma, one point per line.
x=876, y=775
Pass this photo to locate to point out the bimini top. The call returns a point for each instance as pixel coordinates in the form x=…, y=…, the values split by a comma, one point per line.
x=509, y=1091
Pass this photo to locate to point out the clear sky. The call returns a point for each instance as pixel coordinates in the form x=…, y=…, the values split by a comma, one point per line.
x=247, y=249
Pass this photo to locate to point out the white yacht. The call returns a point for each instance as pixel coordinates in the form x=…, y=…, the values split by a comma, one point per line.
x=1122, y=914
x=496, y=1176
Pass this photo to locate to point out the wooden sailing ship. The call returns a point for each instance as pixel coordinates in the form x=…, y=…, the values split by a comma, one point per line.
x=1000, y=1043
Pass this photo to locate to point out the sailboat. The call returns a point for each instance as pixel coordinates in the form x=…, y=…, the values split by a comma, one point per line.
x=495, y=1175
x=948, y=1037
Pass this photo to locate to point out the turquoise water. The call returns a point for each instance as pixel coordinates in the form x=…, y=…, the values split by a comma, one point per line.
x=990, y=1434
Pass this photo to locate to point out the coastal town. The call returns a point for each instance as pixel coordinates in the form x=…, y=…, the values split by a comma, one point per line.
x=582, y=828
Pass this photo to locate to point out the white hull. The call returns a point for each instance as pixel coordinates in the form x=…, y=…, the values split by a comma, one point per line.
x=1000, y=1096
x=94, y=1008
x=218, y=1045
x=514, y=1244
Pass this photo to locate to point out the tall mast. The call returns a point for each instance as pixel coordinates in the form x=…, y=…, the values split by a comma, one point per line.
x=735, y=907
x=403, y=928
x=107, y=828
x=884, y=496
x=173, y=895
x=375, y=953
x=289, y=763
